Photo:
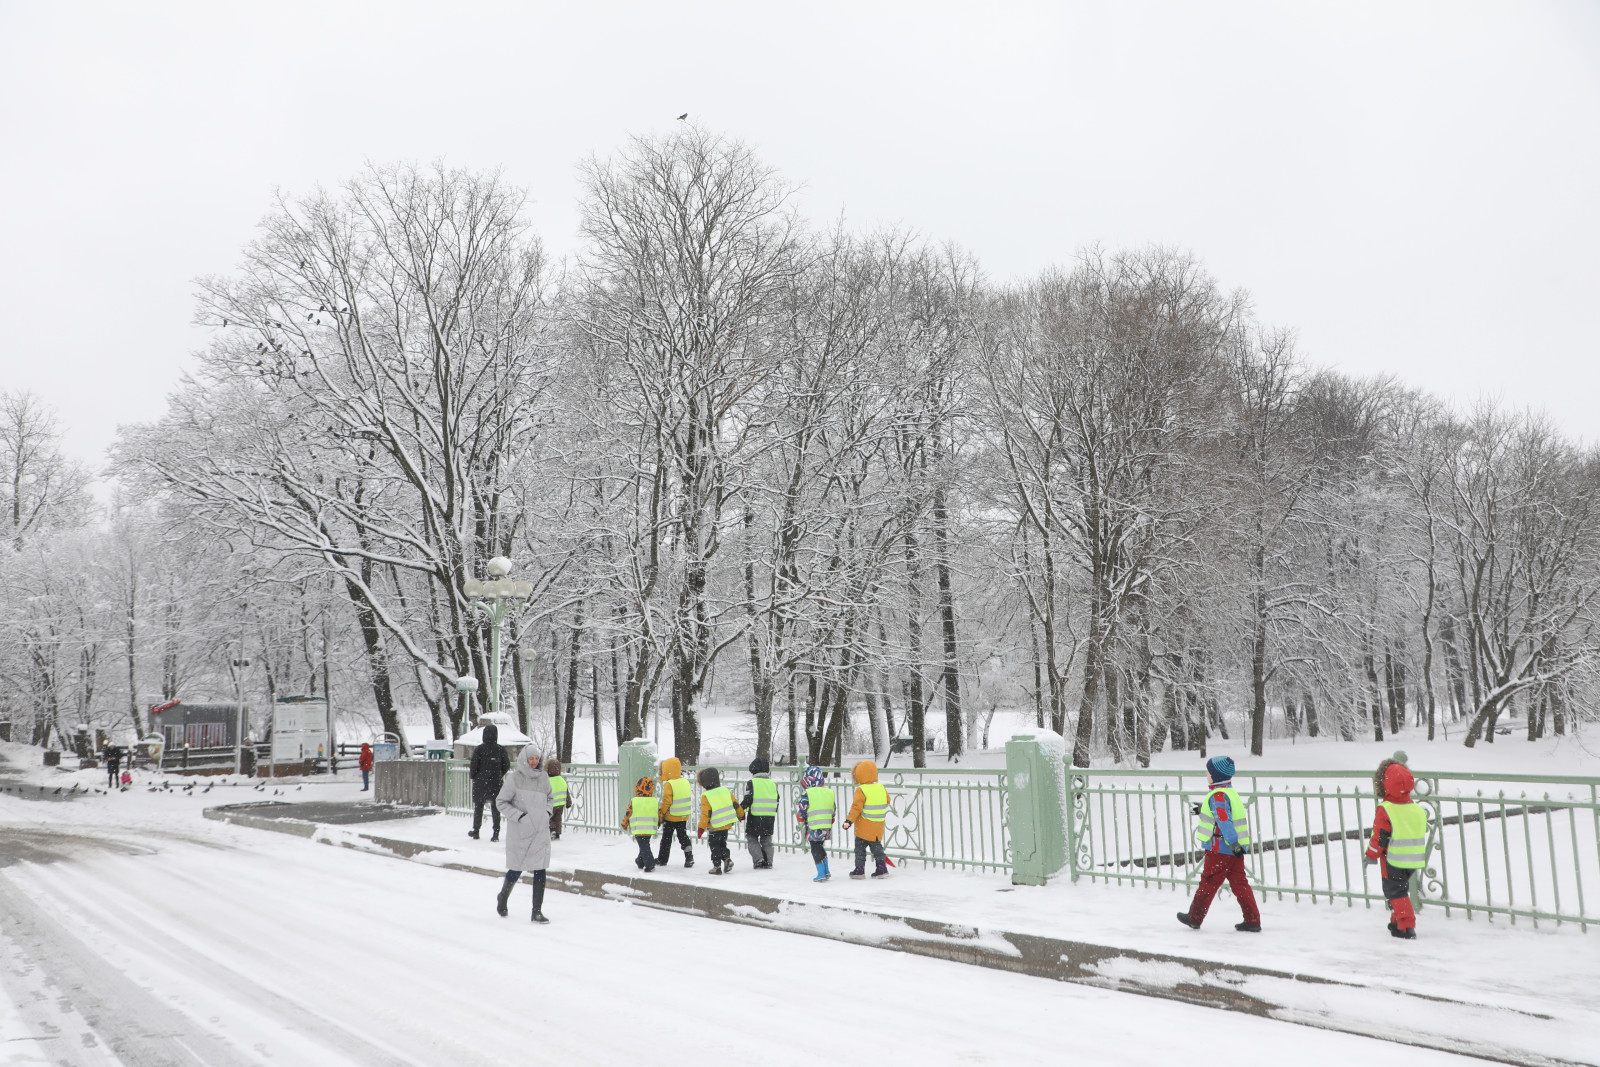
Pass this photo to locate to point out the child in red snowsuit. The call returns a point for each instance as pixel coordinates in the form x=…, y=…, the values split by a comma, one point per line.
x=1399, y=843
x=1224, y=831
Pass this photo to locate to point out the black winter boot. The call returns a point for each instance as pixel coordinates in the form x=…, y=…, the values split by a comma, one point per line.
x=538, y=903
x=1248, y=928
x=505, y=895
x=473, y=833
x=688, y=857
x=881, y=871
x=1183, y=917
x=859, y=872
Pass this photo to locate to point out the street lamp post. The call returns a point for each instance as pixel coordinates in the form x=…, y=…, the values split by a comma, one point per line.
x=497, y=598
x=238, y=738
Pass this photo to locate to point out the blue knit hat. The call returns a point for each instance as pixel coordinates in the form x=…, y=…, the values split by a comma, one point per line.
x=1220, y=768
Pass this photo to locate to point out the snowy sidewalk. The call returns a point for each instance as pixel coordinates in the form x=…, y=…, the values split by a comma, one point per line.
x=1515, y=994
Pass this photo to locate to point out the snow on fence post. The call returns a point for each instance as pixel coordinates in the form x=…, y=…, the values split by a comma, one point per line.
x=636, y=759
x=1037, y=801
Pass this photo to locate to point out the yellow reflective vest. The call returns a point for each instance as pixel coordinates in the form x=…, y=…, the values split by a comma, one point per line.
x=763, y=797
x=1240, y=818
x=875, y=802
x=1408, y=836
x=644, y=815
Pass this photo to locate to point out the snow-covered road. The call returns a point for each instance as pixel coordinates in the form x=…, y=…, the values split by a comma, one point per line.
x=138, y=934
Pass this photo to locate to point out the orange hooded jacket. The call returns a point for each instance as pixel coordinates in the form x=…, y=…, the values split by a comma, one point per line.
x=864, y=773
x=673, y=784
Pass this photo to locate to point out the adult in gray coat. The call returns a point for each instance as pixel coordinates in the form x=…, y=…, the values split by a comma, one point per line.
x=525, y=801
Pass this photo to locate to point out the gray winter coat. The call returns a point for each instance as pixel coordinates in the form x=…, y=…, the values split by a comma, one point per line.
x=525, y=800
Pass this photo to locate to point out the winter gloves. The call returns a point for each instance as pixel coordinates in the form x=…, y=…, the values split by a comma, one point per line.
x=1240, y=850
x=1368, y=861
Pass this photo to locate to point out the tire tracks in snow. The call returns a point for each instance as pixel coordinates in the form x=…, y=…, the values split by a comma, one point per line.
x=199, y=943
x=134, y=1024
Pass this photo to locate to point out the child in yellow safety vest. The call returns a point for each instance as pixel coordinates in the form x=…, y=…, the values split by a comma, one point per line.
x=718, y=813
x=1399, y=843
x=641, y=819
x=675, y=800
x=868, y=812
x=558, y=796
x=814, y=811
x=761, y=810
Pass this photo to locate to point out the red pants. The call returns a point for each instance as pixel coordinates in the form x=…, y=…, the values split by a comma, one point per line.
x=1220, y=868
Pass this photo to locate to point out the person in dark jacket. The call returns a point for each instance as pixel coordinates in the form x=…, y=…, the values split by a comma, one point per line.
x=113, y=756
x=489, y=767
x=762, y=813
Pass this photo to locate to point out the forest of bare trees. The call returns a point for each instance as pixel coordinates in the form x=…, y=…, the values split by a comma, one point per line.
x=838, y=480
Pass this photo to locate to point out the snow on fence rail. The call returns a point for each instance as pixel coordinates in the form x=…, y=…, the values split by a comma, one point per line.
x=1505, y=853
x=939, y=818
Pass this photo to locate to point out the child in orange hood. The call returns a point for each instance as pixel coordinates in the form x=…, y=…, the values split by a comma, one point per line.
x=674, y=811
x=868, y=811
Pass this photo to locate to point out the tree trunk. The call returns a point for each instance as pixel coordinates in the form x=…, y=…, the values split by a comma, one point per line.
x=914, y=706
x=594, y=711
x=954, y=723
x=573, y=649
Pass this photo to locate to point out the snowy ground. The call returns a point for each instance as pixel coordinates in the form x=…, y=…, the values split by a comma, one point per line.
x=134, y=931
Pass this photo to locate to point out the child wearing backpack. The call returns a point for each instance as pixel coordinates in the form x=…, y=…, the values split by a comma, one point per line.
x=1399, y=842
x=761, y=806
x=718, y=812
x=641, y=819
x=868, y=811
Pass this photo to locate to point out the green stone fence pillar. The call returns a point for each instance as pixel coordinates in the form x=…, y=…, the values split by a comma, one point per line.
x=636, y=759
x=1036, y=783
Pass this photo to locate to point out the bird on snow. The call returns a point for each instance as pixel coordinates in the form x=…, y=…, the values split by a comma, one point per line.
x=683, y=116
x=57, y=792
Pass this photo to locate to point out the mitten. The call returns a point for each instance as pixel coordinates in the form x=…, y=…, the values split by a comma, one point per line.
x=1239, y=850
x=1368, y=861
x=698, y=834
x=1194, y=809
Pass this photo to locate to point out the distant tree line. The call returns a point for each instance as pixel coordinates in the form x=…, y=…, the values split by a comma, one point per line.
x=877, y=494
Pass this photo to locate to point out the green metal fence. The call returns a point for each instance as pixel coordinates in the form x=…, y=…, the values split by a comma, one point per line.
x=1493, y=849
x=938, y=818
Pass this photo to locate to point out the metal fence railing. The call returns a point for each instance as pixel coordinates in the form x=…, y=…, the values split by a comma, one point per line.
x=939, y=818
x=1493, y=848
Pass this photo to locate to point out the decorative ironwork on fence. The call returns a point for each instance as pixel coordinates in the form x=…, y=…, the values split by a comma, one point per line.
x=1505, y=853
x=940, y=818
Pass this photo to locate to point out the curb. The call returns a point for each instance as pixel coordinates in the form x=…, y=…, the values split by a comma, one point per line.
x=1285, y=996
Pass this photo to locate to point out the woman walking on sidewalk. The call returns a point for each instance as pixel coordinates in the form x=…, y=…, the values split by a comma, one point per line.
x=525, y=801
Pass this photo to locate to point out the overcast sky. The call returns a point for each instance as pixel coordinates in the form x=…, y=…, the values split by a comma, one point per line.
x=1415, y=187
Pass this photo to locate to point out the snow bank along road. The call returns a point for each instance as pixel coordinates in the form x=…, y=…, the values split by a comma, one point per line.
x=133, y=936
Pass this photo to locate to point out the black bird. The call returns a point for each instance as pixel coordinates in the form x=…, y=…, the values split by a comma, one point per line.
x=322, y=307
x=57, y=792
x=224, y=323
x=683, y=116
